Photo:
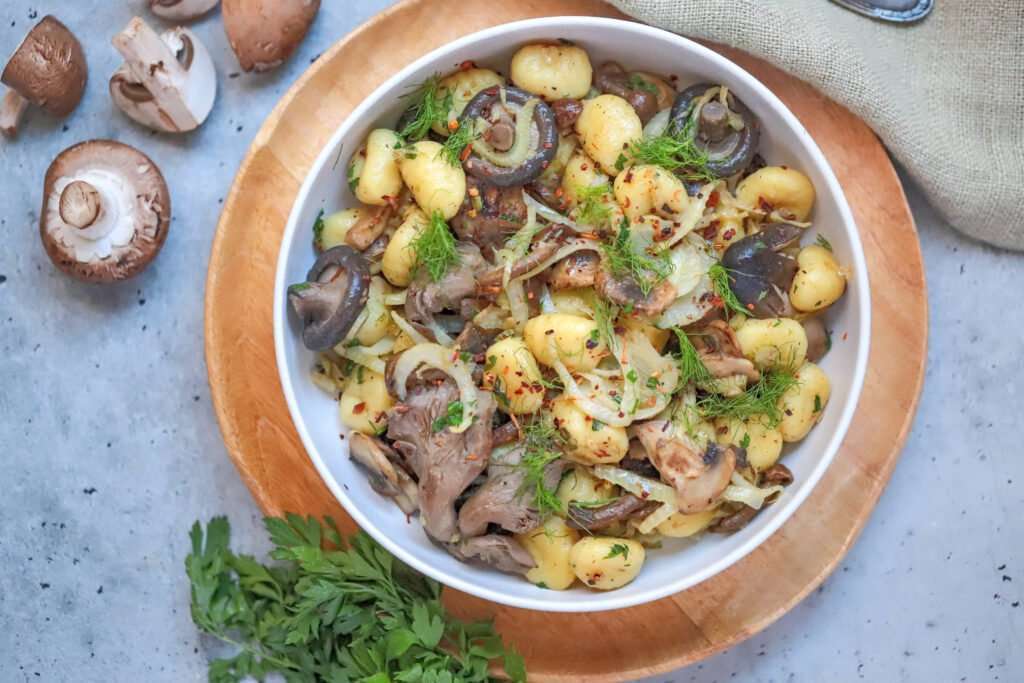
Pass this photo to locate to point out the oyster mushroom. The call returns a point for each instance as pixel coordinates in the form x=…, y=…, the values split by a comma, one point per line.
x=727, y=131
x=181, y=10
x=760, y=272
x=333, y=296
x=264, y=33
x=48, y=70
x=597, y=518
x=167, y=82
x=106, y=211
x=500, y=157
x=378, y=459
x=623, y=290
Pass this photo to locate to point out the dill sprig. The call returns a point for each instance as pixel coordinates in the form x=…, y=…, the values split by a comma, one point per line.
x=691, y=367
x=604, y=315
x=720, y=279
x=823, y=242
x=677, y=153
x=453, y=147
x=760, y=399
x=427, y=108
x=624, y=260
x=435, y=247
x=592, y=204
x=542, y=445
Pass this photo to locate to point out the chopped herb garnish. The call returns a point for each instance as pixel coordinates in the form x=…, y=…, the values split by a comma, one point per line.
x=541, y=584
x=318, y=230
x=720, y=278
x=491, y=361
x=596, y=425
x=435, y=248
x=828, y=340
x=465, y=356
x=745, y=441
x=691, y=367
x=817, y=403
x=625, y=260
x=590, y=504
x=760, y=399
x=618, y=549
x=350, y=612
x=652, y=383
x=632, y=376
x=427, y=108
x=353, y=179
x=823, y=243
x=638, y=82
x=604, y=317
x=299, y=287
x=542, y=445
x=676, y=153
x=620, y=162
x=453, y=147
x=592, y=205
x=451, y=417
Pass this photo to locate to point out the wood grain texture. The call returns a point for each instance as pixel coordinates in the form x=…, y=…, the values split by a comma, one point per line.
x=629, y=643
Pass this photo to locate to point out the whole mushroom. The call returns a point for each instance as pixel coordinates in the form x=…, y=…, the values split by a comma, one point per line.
x=760, y=270
x=332, y=297
x=723, y=127
x=181, y=10
x=48, y=70
x=106, y=211
x=167, y=82
x=264, y=33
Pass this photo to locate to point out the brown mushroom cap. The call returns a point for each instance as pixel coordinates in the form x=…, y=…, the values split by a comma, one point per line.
x=181, y=10
x=48, y=69
x=106, y=211
x=264, y=33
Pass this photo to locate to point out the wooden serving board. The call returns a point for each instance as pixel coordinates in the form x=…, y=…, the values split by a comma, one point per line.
x=615, y=646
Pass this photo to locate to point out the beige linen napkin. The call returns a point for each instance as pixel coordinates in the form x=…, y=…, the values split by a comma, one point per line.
x=945, y=95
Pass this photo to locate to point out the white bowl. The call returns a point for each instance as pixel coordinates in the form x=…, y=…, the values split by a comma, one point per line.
x=677, y=565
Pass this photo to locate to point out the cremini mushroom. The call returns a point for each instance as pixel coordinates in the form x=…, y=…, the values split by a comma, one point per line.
x=106, y=211
x=724, y=127
x=167, y=82
x=264, y=33
x=332, y=297
x=181, y=10
x=48, y=70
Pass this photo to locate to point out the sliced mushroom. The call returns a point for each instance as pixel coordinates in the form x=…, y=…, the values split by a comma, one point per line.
x=727, y=131
x=641, y=92
x=598, y=518
x=503, y=553
x=623, y=290
x=264, y=33
x=489, y=106
x=575, y=270
x=48, y=70
x=377, y=458
x=181, y=10
x=106, y=211
x=698, y=477
x=720, y=352
x=760, y=272
x=734, y=521
x=332, y=297
x=167, y=82
x=817, y=339
x=370, y=227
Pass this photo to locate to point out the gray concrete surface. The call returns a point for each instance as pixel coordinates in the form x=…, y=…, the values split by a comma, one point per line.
x=109, y=448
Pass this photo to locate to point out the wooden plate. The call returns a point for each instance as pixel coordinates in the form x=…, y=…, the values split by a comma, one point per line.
x=631, y=643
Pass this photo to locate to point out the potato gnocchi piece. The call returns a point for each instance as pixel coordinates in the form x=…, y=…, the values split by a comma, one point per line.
x=606, y=563
x=773, y=342
x=681, y=525
x=581, y=172
x=591, y=442
x=399, y=261
x=577, y=341
x=804, y=403
x=463, y=85
x=510, y=367
x=607, y=126
x=552, y=71
x=778, y=188
x=819, y=282
x=646, y=189
x=365, y=402
x=336, y=226
x=379, y=178
x=435, y=184
x=579, y=485
x=550, y=547
x=762, y=442
x=378, y=317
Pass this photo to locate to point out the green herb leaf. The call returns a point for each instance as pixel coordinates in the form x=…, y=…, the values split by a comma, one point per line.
x=638, y=82
x=596, y=425
x=592, y=206
x=817, y=403
x=427, y=108
x=720, y=278
x=691, y=367
x=625, y=261
x=451, y=418
x=676, y=153
x=543, y=443
x=760, y=399
x=823, y=243
x=318, y=231
x=453, y=146
x=435, y=248
x=618, y=549
x=745, y=441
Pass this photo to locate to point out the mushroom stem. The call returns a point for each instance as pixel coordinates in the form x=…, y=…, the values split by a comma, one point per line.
x=79, y=204
x=158, y=70
x=11, y=109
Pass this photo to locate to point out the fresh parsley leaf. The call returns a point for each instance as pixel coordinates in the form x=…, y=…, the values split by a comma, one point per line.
x=452, y=417
x=745, y=441
x=817, y=403
x=596, y=425
x=618, y=549
x=435, y=247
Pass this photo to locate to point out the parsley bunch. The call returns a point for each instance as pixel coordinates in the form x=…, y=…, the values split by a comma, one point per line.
x=331, y=616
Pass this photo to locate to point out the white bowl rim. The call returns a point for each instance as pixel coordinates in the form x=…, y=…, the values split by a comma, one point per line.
x=611, y=600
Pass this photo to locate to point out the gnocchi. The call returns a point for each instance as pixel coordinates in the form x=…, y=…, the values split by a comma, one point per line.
x=590, y=442
x=647, y=189
x=804, y=403
x=778, y=188
x=552, y=71
x=572, y=339
x=607, y=126
x=681, y=525
x=606, y=563
x=762, y=442
x=512, y=369
x=379, y=178
x=550, y=547
x=581, y=172
x=399, y=260
x=435, y=184
x=365, y=402
x=819, y=281
x=334, y=227
x=773, y=342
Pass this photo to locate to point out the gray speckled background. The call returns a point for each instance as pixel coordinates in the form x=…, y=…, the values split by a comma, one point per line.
x=110, y=448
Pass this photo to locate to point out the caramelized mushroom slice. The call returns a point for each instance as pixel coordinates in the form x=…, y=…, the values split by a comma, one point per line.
x=624, y=291
x=817, y=339
x=335, y=292
x=728, y=132
x=760, y=272
x=641, y=92
x=598, y=518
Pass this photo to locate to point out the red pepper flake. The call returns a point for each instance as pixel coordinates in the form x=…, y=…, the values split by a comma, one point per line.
x=472, y=456
x=845, y=335
x=584, y=167
x=729, y=234
x=358, y=408
x=548, y=145
x=764, y=205
x=467, y=150
x=453, y=125
x=713, y=199
x=559, y=192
